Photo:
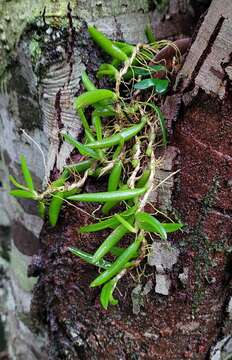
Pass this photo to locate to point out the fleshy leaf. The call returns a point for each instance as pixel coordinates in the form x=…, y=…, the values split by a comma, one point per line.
x=125, y=223
x=24, y=194
x=149, y=34
x=93, y=96
x=160, y=85
x=161, y=122
x=101, y=225
x=26, y=173
x=16, y=184
x=83, y=149
x=55, y=207
x=107, y=69
x=109, y=242
x=147, y=222
x=89, y=258
x=102, y=197
x=171, y=227
x=108, y=223
x=106, y=296
x=41, y=209
x=148, y=70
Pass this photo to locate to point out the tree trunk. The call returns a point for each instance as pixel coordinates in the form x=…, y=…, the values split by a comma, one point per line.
x=48, y=51
x=44, y=48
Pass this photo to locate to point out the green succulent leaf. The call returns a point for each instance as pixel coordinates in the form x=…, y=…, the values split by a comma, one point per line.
x=125, y=223
x=88, y=84
x=117, y=250
x=148, y=70
x=106, y=296
x=101, y=225
x=24, y=194
x=172, y=227
x=104, y=110
x=109, y=242
x=84, y=120
x=124, y=135
x=83, y=149
x=110, y=204
x=144, y=178
x=114, y=177
x=107, y=69
x=160, y=85
x=89, y=258
x=92, y=97
x=108, y=223
x=148, y=222
x=61, y=179
x=125, y=47
x=56, y=204
x=161, y=121
x=106, y=44
x=149, y=34
x=16, y=184
x=26, y=173
x=96, y=121
x=102, y=197
x=79, y=167
x=119, y=264
x=55, y=207
x=41, y=209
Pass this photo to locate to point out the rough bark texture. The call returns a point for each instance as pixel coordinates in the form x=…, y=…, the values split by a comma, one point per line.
x=44, y=47
x=210, y=53
x=37, y=93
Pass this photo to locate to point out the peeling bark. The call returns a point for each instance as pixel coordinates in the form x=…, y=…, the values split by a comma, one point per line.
x=44, y=47
x=50, y=54
x=188, y=322
x=211, y=51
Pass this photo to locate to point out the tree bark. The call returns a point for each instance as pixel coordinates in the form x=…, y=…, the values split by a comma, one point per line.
x=44, y=47
x=37, y=92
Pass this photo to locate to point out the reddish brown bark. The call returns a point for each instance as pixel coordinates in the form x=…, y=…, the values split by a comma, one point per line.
x=188, y=322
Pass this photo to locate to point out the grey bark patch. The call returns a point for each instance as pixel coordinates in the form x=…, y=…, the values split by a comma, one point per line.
x=29, y=112
x=137, y=295
x=163, y=284
x=171, y=109
x=137, y=299
x=25, y=241
x=229, y=309
x=14, y=143
x=58, y=79
x=23, y=83
x=103, y=8
x=163, y=256
x=163, y=194
x=210, y=51
x=29, y=206
x=4, y=218
x=14, y=308
x=222, y=350
x=184, y=276
x=6, y=156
